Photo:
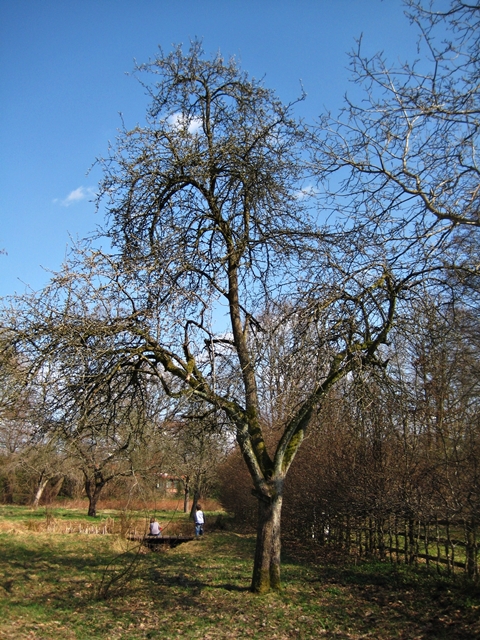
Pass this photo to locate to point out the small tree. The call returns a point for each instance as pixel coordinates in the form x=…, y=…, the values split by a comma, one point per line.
x=197, y=445
x=16, y=416
x=45, y=462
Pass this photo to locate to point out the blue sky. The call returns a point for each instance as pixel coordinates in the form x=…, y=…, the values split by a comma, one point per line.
x=64, y=80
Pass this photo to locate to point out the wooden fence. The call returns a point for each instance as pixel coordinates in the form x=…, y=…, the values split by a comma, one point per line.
x=447, y=545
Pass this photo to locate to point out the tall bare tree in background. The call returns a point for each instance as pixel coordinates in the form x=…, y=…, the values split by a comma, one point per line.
x=407, y=151
x=404, y=156
x=199, y=444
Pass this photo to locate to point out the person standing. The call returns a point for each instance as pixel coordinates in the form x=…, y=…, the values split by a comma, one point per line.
x=199, y=519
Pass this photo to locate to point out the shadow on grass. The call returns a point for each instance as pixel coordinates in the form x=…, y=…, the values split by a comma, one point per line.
x=24, y=555
x=415, y=600
x=67, y=574
x=181, y=580
x=233, y=587
x=374, y=600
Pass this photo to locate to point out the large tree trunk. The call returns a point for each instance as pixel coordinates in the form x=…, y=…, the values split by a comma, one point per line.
x=93, y=488
x=266, y=568
x=92, y=501
x=196, y=498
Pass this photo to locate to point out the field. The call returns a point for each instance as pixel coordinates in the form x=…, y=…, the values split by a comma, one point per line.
x=64, y=575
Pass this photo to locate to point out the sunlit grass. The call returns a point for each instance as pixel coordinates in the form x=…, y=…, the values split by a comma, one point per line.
x=85, y=587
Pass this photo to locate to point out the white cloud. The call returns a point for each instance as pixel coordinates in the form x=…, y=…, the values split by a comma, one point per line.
x=179, y=121
x=306, y=192
x=77, y=195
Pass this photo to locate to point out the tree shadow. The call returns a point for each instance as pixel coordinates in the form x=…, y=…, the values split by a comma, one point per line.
x=231, y=587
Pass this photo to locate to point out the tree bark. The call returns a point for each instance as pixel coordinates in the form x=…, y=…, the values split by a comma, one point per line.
x=266, y=567
x=186, y=494
x=44, y=480
x=8, y=489
x=93, y=488
x=196, y=498
x=56, y=488
x=92, y=502
x=470, y=548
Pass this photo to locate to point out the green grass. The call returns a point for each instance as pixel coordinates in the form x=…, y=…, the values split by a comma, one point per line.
x=67, y=520
x=85, y=587
x=12, y=513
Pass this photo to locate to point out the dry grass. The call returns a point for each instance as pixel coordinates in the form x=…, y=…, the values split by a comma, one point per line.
x=71, y=518
x=156, y=506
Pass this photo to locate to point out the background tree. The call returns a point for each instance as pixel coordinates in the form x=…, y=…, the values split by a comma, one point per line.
x=404, y=156
x=442, y=384
x=406, y=152
x=198, y=446
x=45, y=463
x=16, y=427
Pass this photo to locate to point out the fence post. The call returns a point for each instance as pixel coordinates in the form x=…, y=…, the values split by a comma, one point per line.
x=437, y=531
x=411, y=541
x=470, y=548
x=359, y=535
x=447, y=545
x=397, y=542
x=348, y=534
x=390, y=538
x=426, y=531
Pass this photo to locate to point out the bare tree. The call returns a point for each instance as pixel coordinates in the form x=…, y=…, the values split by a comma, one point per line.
x=443, y=394
x=406, y=152
x=212, y=220
x=16, y=403
x=198, y=445
x=45, y=462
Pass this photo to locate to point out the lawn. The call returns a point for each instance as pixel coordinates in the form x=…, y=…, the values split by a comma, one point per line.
x=83, y=586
